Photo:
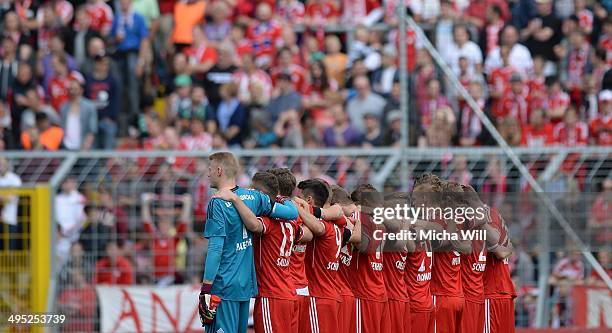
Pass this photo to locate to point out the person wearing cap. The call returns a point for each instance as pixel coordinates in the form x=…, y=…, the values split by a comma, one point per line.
x=393, y=133
x=600, y=128
x=79, y=118
x=181, y=97
x=42, y=136
x=515, y=101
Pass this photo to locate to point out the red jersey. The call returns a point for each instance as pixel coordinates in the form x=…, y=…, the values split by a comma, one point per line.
x=571, y=136
x=120, y=272
x=346, y=256
x=297, y=269
x=297, y=72
x=395, y=277
x=164, y=249
x=500, y=82
x=58, y=88
x=537, y=137
x=557, y=100
x=58, y=91
x=515, y=105
x=367, y=279
x=322, y=262
x=272, y=252
x=496, y=279
x=321, y=12
x=600, y=129
x=100, y=16
x=446, y=274
x=418, y=276
x=472, y=269
x=537, y=92
x=201, y=54
x=265, y=37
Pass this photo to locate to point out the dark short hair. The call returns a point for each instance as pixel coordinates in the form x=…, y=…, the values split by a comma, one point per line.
x=266, y=182
x=316, y=189
x=286, y=181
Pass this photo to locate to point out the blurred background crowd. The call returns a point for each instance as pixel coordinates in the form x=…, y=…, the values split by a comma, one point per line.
x=196, y=74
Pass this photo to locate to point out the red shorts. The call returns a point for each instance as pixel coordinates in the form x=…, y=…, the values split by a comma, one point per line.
x=499, y=315
x=398, y=318
x=473, y=317
x=320, y=315
x=449, y=310
x=422, y=321
x=272, y=314
x=299, y=306
x=346, y=322
x=370, y=315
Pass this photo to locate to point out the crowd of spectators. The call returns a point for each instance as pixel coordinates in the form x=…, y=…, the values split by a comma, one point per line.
x=203, y=74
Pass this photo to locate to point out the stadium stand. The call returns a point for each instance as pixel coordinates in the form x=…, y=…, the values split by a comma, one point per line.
x=131, y=99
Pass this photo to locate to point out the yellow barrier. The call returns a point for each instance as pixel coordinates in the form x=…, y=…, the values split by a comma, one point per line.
x=25, y=255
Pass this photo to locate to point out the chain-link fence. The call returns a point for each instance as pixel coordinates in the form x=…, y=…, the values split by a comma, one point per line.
x=135, y=218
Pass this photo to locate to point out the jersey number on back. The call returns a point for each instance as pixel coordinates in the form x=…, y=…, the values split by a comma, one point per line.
x=288, y=237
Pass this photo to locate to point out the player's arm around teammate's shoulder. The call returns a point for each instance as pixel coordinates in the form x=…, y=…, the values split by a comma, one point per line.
x=310, y=221
x=497, y=241
x=250, y=221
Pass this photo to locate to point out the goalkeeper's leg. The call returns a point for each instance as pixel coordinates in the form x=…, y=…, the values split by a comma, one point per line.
x=228, y=318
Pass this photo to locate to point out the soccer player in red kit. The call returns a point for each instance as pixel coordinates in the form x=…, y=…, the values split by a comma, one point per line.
x=419, y=263
x=322, y=255
x=472, y=269
x=498, y=285
x=366, y=268
x=272, y=247
x=347, y=306
x=394, y=263
x=446, y=276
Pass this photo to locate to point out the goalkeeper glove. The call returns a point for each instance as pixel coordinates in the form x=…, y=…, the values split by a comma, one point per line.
x=208, y=304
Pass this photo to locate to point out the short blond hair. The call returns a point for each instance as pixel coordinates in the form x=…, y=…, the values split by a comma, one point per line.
x=228, y=161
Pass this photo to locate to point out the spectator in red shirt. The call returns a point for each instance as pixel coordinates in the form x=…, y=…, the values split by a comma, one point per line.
x=476, y=12
x=321, y=12
x=603, y=257
x=515, y=102
x=114, y=268
x=100, y=15
x=600, y=221
x=286, y=66
x=538, y=133
x=572, y=131
x=164, y=242
x=265, y=36
x=434, y=101
x=600, y=128
x=557, y=101
x=201, y=56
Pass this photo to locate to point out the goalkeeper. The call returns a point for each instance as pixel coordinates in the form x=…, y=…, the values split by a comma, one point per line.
x=229, y=272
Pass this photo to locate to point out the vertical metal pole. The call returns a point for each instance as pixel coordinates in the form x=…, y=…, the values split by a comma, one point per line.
x=403, y=68
x=543, y=267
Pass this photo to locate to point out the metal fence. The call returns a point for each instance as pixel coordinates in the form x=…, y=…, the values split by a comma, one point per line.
x=168, y=250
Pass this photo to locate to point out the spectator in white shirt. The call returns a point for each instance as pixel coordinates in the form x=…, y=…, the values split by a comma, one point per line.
x=70, y=215
x=464, y=47
x=8, y=206
x=520, y=57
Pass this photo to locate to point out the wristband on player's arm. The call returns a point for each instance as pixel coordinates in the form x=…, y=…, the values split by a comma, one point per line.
x=317, y=212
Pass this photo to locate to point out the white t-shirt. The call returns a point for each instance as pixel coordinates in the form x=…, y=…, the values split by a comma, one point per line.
x=519, y=58
x=70, y=213
x=9, y=211
x=470, y=50
x=72, y=134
